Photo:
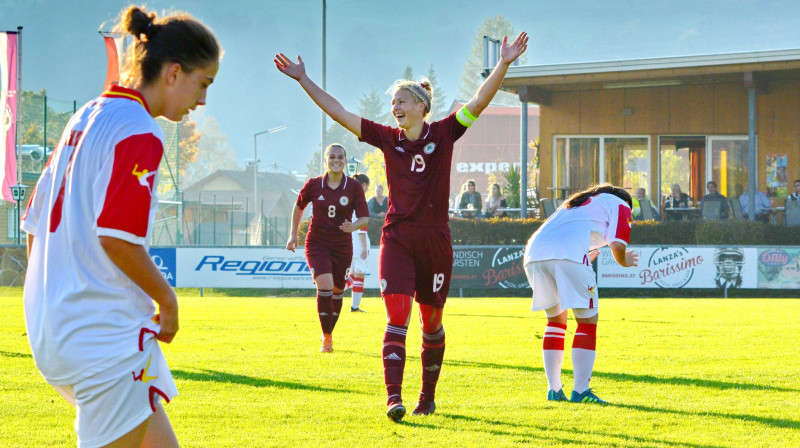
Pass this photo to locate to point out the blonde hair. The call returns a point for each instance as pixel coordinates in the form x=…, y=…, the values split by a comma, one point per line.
x=422, y=91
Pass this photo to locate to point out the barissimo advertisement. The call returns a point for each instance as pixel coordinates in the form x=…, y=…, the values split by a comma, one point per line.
x=488, y=267
x=681, y=267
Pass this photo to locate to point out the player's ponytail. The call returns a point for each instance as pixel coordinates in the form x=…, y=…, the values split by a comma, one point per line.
x=178, y=38
x=580, y=198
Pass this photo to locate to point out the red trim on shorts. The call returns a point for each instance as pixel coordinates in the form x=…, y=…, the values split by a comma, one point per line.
x=141, y=337
x=154, y=390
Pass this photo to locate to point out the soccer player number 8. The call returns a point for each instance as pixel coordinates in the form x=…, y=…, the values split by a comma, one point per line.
x=418, y=160
x=331, y=211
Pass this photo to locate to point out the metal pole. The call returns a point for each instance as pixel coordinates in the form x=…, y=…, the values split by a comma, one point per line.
x=523, y=159
x=18, y=93
x=751, y=134
x=324, y=117
x=215, y=220
x=255, y=170
x=44, y=145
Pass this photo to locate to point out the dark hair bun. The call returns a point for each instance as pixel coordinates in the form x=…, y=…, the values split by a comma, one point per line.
x=138, y=22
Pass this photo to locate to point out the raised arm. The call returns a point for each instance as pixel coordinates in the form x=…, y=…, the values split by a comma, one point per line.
x=330, y=105
x=489, y=87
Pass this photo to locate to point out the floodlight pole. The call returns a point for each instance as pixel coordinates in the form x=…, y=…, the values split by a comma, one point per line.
x=255, y=161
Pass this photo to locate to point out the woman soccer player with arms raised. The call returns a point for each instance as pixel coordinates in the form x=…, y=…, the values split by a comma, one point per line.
x=329, y=244
x=91, y=284
x=416, y=256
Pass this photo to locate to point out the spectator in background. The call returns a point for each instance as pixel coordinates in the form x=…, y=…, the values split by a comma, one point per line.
x=796, y=195
x=677, y=198
x=762, y=205
x=378, y=205
x=714, y=195
x=641, y=193
x=495, y=206
x=471, y=202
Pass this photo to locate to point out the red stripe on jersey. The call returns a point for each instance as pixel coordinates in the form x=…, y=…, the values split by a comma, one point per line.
x=624, y=223
x=117, y=91
x=130, y=189
x=30, y=201
x=55, y=214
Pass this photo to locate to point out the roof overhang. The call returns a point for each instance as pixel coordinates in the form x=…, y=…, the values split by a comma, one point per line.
x=537, y=83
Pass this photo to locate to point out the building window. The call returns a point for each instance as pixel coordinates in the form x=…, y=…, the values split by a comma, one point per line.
x=583, y=161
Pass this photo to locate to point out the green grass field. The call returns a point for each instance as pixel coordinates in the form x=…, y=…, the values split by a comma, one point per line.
x=677, y=372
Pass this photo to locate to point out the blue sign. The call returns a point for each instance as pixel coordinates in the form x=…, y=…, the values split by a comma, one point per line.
x=164, y=259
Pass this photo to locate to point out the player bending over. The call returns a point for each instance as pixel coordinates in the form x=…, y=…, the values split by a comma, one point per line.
x=558, y=263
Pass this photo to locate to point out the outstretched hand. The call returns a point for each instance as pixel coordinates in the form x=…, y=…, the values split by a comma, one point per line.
x=508, y=53
x=631, y=258
x=289, y=68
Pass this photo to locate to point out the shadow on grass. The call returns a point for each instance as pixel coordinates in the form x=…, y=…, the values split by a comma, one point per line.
x=777, y=422
x=483, y=316
x=677, y=381
x=15, y=354
x=572, y=431
x=223, y=377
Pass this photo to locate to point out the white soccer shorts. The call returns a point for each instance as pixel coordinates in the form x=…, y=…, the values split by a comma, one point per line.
x=112, y=403
x=565, y=283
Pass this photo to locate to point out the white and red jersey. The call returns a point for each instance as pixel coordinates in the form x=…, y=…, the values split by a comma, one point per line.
x=418, y=172
x=357, y=237
x=571, y=233
x=331, y=207
x=83, y=315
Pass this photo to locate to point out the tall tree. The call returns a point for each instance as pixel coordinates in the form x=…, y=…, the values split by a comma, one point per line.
x=440, y=107
x=213, y=153
x=496, y=28
x=408, y=73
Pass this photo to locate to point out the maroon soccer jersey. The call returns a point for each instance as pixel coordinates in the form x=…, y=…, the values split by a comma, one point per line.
x=418, y=172
x=331, y=207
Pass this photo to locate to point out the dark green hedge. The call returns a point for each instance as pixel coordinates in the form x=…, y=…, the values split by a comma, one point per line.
x=508, y=231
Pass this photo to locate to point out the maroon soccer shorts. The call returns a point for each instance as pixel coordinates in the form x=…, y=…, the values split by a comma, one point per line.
x=416, y=261
x=327, y=259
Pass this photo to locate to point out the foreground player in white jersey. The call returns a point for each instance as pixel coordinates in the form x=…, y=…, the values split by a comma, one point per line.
x=358, y=267
x=91, y=321
x=558, y=263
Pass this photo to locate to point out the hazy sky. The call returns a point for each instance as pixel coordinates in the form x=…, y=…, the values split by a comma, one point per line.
x=370, y=42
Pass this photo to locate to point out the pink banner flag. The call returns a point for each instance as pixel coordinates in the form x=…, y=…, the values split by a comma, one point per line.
x=112, y=50
x=8, y=111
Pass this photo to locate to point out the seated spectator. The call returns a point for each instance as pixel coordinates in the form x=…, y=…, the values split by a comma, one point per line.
x=378, y=205
x=636, y=213
x=495, y=206
x=471, y=202
x=714, y=195
x=677, y=198
x=796, y=195
x=762, y=205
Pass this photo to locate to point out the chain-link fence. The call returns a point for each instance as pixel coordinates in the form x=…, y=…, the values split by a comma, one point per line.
x=195, y=219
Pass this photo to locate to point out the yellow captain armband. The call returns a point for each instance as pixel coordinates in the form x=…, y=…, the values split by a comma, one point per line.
x=465, y=118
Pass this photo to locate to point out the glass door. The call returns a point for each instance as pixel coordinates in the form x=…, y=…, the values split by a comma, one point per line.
x=681, y=162
x=729, y=157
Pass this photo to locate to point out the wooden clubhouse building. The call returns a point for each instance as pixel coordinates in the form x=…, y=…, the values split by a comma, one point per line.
x=656, y=122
